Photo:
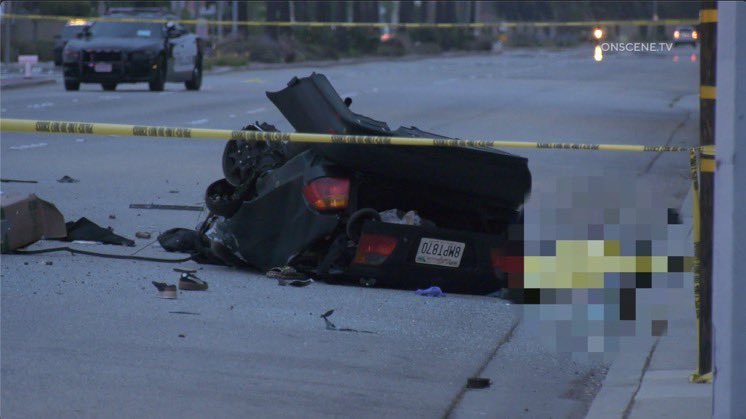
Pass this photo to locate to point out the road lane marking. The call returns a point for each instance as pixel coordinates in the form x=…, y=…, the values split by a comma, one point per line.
x=109, y=97
x=254, y=81
x=253, y=111
x=199, y=121
x=40, y=105
x=27, y=146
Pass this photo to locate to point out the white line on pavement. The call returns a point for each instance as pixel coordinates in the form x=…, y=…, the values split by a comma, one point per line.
x=253, y=111
x=40, y=105
x=26, y=146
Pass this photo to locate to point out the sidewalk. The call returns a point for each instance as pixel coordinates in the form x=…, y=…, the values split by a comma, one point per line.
x=650, y=377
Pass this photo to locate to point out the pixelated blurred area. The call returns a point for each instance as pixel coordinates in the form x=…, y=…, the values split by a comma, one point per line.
x=602, y=259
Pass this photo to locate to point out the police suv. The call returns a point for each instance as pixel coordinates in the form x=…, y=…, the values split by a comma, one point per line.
x=113, y=52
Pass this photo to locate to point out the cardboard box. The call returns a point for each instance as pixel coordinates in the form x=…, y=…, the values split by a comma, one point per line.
x=27, y=219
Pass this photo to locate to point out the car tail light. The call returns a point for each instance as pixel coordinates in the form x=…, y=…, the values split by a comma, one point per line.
x=328, y=193
x=695, y=35
x=676, y=34
x=374, y=249
x=506, y=263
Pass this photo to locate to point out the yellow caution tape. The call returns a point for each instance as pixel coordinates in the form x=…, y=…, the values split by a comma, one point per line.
x=707, y=92
x=65, y=127
x=707, y=164
x=708, y=15
x=475, y=25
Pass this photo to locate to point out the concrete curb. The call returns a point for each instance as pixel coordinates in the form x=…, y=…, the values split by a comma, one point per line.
x=19, y=83
x=623, y=380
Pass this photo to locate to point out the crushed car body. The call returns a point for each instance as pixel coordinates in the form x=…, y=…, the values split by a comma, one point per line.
x=378, y=215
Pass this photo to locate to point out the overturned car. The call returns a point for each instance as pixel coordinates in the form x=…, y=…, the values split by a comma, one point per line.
x=378, y=215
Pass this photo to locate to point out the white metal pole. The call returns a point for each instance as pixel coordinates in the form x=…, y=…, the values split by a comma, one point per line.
x=729, y=275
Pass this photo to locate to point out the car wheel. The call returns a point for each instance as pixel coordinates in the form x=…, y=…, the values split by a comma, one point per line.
x=72, y=85
x=196, y=82
x=109, y=86
x=159, y=79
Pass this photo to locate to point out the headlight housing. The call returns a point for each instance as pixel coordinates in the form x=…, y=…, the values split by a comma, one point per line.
x=70, y=55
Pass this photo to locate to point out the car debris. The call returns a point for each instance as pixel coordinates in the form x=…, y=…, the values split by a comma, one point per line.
x=167, y=291
x=330, y=211
x=294, y=282
x=67, y=179
x=478, y=382
x=331, y=326
x=431, y=292
x=142, y=235
x=27, y=219
x=191, y=282
x=87, y=230
x=168, y=207
x=17, y=181
x=285, y=272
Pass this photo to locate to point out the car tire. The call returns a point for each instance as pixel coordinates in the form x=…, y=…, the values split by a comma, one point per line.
x=72, y=85
x=109, y=87
x=196, y=82
x=159, y=80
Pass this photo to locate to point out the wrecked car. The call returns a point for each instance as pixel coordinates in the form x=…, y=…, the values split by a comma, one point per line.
x=378, y=215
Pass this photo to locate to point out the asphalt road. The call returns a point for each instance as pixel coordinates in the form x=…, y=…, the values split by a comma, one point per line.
x=87, y=337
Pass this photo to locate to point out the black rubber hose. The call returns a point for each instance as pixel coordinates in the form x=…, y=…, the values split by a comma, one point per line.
x=104, y=255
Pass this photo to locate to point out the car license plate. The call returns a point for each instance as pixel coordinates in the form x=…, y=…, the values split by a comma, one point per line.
x=440, y=252
x=103, y=67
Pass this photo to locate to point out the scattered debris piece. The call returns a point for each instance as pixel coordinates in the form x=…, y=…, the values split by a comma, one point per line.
x=112, y=217
x=332, y=326
x=167, y=291
x=49, y=263
x=27, y=219
x=367, y=282
x=190, y=282
x=181, y=335
x=85, y=229
x=431, y=292
x=184, y=312
x=86, y=242
x=67, y=179
x=295, y=282
x=395, y=216
x=142, y=235
x=478, y=382
x=173, y=191
x=185, y=270
x=168, y=207
x=285, y=272
x=18, y=181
